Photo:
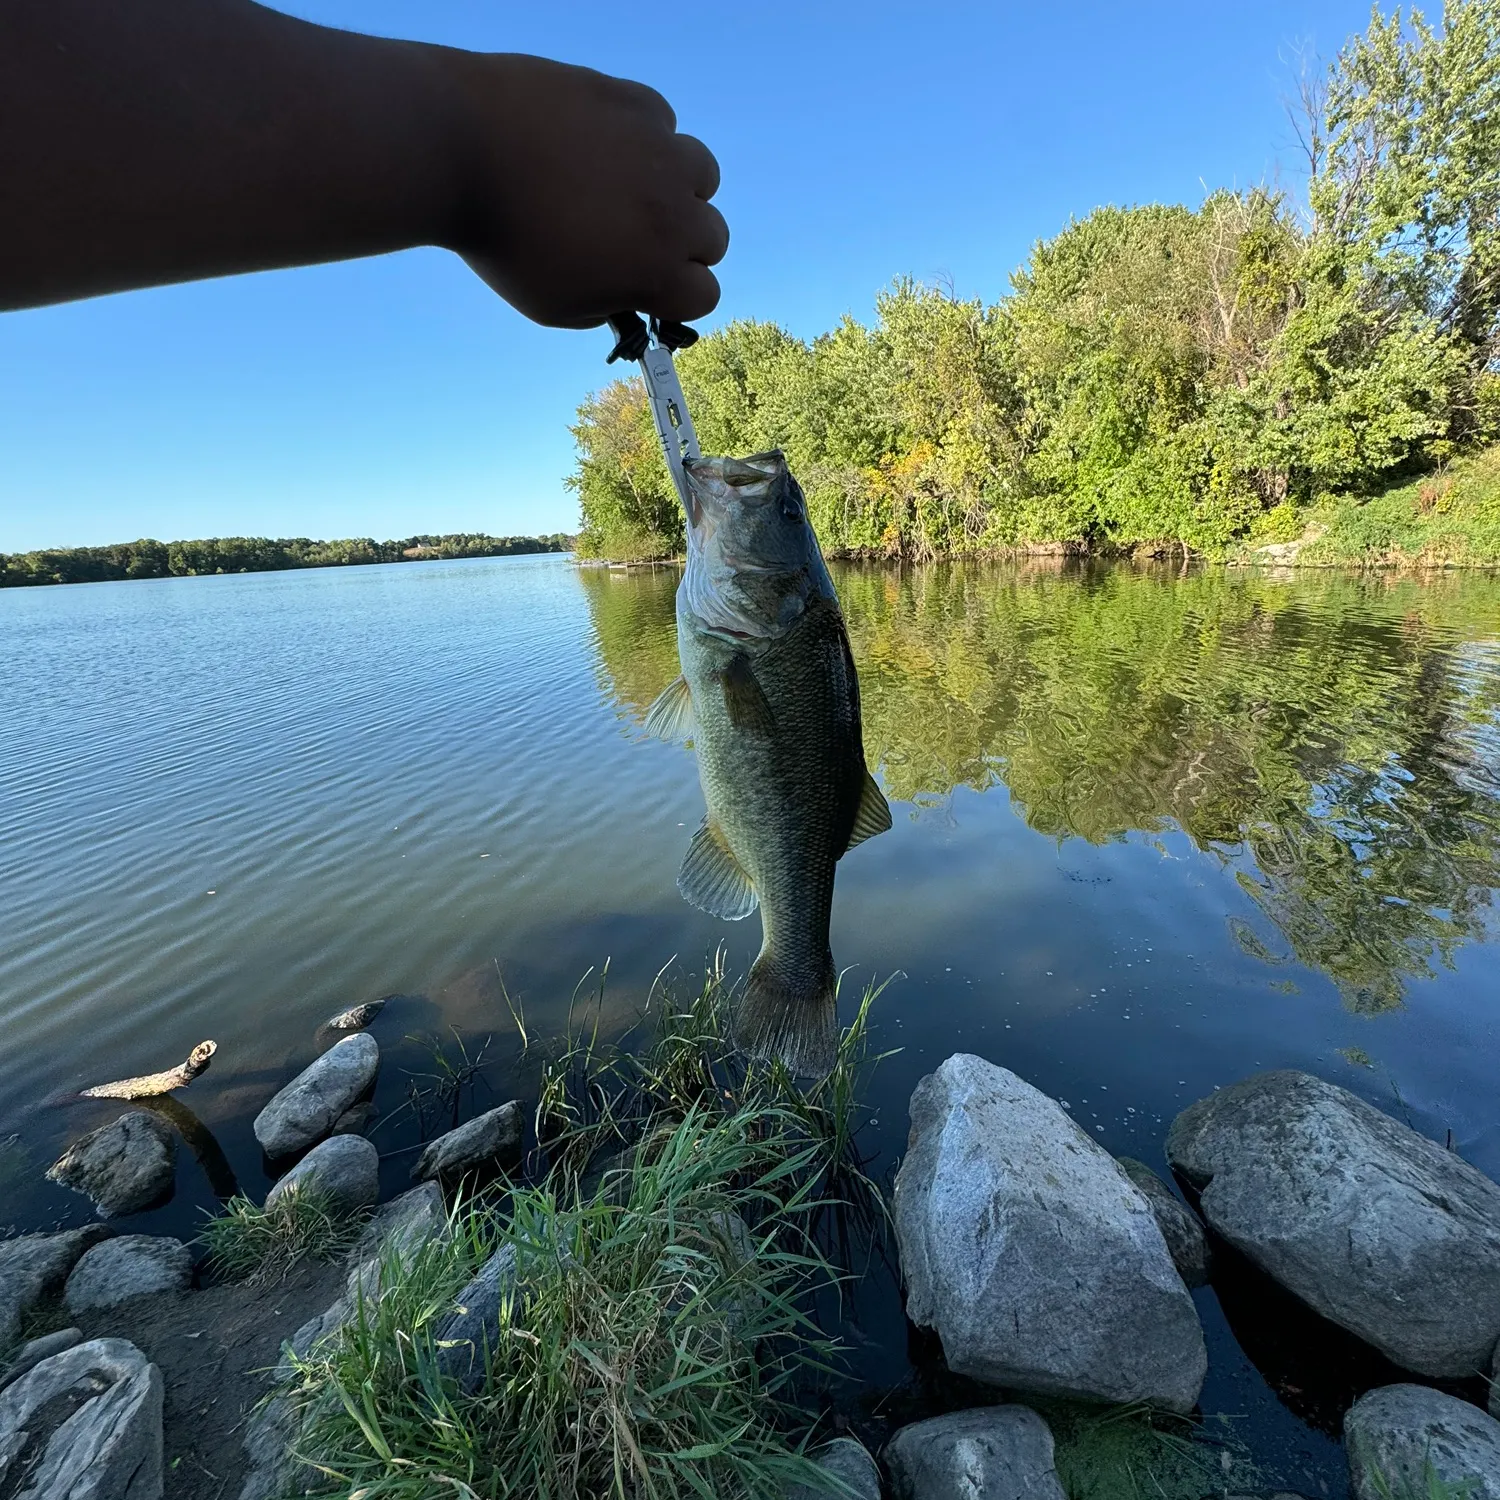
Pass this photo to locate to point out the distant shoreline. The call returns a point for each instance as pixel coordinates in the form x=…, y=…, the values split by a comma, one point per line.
x=147, y=558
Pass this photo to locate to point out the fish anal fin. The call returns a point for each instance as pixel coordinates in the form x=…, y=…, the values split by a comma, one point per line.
x=711, y=877
x=744, y=699
x=671, y=716
x=872, y=816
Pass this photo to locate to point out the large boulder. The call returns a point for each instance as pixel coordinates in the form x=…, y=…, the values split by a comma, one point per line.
x=1396, y=1434
x=307, y=1109
x=1372, y=1225
x=493, y=1138
x=1037, y=1261
x=345, y=1169
x=1180, y=1226
x=989, y=1453
x=33, y=1267
x=850, y=1463
x=125, y=1166
x=134, y=1265
x=84, y=1425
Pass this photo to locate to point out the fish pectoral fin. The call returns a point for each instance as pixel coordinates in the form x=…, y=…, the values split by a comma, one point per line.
x=743, y=698
x=711, y=877
x=872, y=816
x=671, y=716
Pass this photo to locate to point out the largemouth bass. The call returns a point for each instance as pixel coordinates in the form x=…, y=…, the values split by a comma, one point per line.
x=769, y=695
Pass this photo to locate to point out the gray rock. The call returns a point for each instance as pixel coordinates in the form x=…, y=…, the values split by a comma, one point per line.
x=990, y=1453
x=33, y=1267
x=344, y=1167
x=90, y=1419
x=1375, y=1227
x=307, y=1108
x=494, y=1136
x=1179, y=1225
x=134, y=1265
x=124, y=1166
x=1494, y=1396
x=31, y=1354
x=400, y=1228
x=1393, y=1434
x=847, y=1460
x=273, y=1470
x=473, y=1325
x=356, y=1018
x=1037, y=1261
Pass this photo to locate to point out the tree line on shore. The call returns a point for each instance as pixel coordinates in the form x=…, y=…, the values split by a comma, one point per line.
x=251, y=554
x=1156, y=374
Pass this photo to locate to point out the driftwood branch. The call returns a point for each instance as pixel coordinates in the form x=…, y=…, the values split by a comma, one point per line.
x=157, y=1083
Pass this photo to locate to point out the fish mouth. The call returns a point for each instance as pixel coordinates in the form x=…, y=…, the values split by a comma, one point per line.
x=715, y=484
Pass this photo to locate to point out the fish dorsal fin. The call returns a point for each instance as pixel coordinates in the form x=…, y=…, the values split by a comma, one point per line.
x=711, y=877
x=671, y=716
x=873, y=815
x=743, y=698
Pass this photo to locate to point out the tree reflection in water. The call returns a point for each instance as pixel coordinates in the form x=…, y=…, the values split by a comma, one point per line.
x=1334, y=739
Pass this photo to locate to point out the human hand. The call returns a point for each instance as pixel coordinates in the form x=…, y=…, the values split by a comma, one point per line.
x=580, y=198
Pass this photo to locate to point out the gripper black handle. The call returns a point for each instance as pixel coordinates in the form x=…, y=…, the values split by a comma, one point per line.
x=632, y=335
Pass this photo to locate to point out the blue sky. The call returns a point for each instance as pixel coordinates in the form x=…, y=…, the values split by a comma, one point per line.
x=858, y=143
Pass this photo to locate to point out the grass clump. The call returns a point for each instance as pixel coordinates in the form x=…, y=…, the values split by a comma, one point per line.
x=672, y=1241
x=247, y=1243
x=658, y=1329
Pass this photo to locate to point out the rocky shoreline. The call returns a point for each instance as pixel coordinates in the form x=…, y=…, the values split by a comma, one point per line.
x=1045, y=1269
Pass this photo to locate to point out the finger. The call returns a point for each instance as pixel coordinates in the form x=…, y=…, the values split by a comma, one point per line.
x=707, y=236
x=644, y=100
x=701, y=165
x=693, y=293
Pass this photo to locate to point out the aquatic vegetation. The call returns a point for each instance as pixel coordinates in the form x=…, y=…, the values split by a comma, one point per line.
x=248, y=1243
x=1133, y=1453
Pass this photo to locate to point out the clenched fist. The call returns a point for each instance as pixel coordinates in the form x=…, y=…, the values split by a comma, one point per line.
x=148, y=141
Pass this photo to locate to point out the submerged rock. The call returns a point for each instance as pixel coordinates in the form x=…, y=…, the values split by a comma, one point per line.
x=847, y=1460
x=33, y=1267
x=493, y=1137
x=308, y=1107
x=1393, y=1434
x=1037, y=1261
x=125, y=1166
x=134, y=1265
x=1372, y=1225
x=356, y=1018
x=344, y=1168
x=90, y=1421
x=1179, y=1225
x=989, y=1453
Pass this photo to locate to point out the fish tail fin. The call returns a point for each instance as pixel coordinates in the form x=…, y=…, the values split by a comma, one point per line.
x=790, y=1017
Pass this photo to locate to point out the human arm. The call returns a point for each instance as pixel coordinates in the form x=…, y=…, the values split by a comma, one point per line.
x=152, y=141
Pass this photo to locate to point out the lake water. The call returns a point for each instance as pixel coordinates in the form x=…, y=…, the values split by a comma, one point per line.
x=1152, y=832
